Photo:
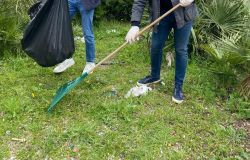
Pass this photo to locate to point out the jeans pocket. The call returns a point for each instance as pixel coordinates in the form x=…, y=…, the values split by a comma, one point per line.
x=190, y=12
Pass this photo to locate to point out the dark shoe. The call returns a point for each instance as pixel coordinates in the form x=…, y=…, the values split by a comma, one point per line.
x=148, y=80
x=178, y=95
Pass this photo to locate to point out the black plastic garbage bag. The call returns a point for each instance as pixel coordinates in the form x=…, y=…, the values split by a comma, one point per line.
x=34, y=9
x=48, y=38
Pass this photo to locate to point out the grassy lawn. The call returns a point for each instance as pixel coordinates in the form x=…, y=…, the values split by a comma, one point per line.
x=95, y=121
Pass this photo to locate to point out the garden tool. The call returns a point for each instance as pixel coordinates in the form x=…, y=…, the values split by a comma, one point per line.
x=63, y=90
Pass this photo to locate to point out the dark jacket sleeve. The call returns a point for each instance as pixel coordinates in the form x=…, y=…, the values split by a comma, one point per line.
x=137, y=10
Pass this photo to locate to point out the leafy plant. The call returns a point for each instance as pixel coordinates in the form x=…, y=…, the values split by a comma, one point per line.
x=232, y=50
x=12, y=19
x=8, y=29
x=223, y=17
x=114, y=9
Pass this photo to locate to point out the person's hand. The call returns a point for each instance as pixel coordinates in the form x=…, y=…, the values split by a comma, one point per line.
x=185, y=3
x=131, y=35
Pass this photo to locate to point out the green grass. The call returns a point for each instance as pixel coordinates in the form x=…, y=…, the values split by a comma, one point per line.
x=94, y=123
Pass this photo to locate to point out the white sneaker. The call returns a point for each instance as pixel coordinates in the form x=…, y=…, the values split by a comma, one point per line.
x=64, y=65
x=89, y=66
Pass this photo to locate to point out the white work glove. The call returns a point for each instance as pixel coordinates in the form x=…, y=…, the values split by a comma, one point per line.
x=185, y=3
x=131, y=35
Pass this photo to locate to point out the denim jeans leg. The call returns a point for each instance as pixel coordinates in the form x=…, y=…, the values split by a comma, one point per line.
x=87, y=27
x=181, y=39
x=72, y=8
x=158, y=41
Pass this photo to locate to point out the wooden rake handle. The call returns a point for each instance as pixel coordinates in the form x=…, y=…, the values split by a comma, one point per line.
x=139, y=34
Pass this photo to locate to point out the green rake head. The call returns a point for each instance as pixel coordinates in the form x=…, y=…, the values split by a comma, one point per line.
x=63, y=90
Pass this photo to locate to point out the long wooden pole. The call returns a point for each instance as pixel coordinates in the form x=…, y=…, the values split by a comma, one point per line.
x=139, y=34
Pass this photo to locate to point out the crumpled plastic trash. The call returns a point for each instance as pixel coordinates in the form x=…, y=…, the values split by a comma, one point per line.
x=77, y=38
x=111, y=31
x=82, y=39
x=138, y=91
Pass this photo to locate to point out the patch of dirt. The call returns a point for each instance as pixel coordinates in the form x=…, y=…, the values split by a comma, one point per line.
x=245, y=125
x=109, y=63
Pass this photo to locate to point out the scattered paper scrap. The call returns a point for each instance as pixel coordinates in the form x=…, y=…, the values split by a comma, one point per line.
x=138, y=91
x=18, y=139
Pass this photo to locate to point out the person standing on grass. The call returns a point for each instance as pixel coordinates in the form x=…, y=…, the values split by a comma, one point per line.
x=86, y=9
x=181, y=22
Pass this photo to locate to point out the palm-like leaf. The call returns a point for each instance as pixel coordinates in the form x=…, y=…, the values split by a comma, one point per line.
x=223, y=16
x=233, y=50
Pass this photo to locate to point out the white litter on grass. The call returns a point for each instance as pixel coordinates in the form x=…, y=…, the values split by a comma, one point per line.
x=77, y=38
x=111, y=31
x=138, y=91
x=82, y=39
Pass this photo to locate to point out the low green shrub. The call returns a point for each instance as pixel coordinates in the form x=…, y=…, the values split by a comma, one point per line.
x=114, y=9
x=13, y=18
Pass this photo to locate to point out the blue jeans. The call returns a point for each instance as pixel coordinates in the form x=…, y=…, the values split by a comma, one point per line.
x=87, y=26
x=181, y=39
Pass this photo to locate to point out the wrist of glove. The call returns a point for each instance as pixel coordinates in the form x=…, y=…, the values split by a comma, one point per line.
x=132, y=33
x=185, y=3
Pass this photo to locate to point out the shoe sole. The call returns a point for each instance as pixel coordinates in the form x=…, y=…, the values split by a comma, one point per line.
x=140, y=84
x=177, y=101
x=64, y=68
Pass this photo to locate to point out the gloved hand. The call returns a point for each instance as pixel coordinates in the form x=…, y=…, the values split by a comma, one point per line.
x=185, y=3
x=130, y=38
